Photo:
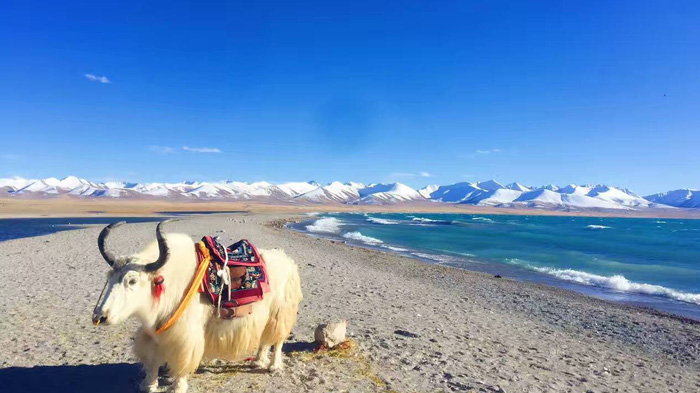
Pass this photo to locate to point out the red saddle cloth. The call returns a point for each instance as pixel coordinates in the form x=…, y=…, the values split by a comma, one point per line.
x=249, y=280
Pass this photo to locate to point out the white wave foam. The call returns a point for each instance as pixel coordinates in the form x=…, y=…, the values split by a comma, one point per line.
x=429, y=221
x=393, y=248
x=466, y=254
x=325, y=225
x=362, y=238
x=619, y=283
x=382, y=221
x=423, y=219
x=597, y=227
x=313, y=214
x=482, y=219
x=436, y=257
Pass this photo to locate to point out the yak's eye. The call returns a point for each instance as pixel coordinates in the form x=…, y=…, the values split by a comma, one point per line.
x=132, y=281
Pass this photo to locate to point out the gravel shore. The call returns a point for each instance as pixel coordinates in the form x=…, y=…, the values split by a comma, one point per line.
x=416, y=327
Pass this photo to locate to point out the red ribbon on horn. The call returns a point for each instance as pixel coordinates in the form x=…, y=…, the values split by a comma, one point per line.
x=158, y=287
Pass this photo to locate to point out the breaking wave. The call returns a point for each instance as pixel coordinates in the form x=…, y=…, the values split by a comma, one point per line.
x=619, y=283
x=482, y=219
x=325, y=225
x=393, y=248
x=383, y=221
x=440, y=258
x=430, y=220
x=597, y=227
x=362, y=238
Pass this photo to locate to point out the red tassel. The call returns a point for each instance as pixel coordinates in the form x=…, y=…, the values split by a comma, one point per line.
x=158, y=287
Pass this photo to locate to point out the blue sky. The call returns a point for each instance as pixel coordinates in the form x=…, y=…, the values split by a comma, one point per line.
x=418, y=92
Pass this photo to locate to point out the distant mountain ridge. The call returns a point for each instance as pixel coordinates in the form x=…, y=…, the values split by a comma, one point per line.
x=485, y=193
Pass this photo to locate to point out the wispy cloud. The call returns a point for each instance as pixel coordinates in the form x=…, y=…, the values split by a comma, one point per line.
x=9, y=157
x=97, y=78
x=488, y=151
x=201, y=149
x=162, y=149
x=411, y=174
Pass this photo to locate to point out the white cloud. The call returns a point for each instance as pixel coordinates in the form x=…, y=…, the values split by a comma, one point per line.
x=162, y=149
x=201, y=149
x=488, y=151
x=96, y=78
x=410, y=174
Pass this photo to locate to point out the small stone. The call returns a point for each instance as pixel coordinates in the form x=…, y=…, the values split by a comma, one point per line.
x=406, y=333
x=331, y=334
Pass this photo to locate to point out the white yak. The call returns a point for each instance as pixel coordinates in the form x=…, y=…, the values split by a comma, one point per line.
x=198, y=334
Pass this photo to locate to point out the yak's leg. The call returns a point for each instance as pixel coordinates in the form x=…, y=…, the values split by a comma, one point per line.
x=261, y=360
x=277, y=364
x=179, y=386
x=145, y=349
x=150, y=382
x=185, y=360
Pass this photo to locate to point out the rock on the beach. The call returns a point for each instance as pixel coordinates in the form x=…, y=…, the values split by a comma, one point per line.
x=331, y=334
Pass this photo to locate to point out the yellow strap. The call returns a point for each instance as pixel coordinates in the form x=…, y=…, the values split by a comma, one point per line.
x=194, y=285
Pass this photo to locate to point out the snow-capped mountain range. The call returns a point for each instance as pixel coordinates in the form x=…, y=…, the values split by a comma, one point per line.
x=485, y=193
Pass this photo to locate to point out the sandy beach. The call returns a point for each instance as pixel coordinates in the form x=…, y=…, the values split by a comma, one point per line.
x=67, y=206
x=416, y=327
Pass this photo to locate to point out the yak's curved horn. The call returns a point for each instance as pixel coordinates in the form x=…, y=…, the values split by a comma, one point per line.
x=163, y=250
x=108, y=256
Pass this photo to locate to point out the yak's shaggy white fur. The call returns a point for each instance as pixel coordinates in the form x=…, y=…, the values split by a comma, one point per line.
x=199, y=333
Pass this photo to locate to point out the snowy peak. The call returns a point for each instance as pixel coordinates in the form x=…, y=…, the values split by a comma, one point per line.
x=489, y=185
x=618, y=196
x=455, y=193
x=517, y=187
x=333, y=192
x=683, y=198
x=495, y=197
x=297, y=188
x=550, y=187
x=15, y=183
x=388, y=193
x=484, y=193
x=427, y=191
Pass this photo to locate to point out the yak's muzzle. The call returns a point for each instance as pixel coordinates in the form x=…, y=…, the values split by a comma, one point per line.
x=99, y=318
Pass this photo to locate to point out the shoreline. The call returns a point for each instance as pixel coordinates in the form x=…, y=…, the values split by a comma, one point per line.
x=472, y=264
x=469, y=330
x=665, y=305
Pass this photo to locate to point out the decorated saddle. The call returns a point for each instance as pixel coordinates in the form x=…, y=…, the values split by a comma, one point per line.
x=235, y=278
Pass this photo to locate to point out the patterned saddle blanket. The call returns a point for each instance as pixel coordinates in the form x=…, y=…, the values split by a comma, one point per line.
x=235, y=279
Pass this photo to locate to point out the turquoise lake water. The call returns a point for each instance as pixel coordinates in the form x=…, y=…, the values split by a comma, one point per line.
x=649, y=262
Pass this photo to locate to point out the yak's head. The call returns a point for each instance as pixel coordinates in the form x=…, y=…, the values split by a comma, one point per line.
x=129, y=285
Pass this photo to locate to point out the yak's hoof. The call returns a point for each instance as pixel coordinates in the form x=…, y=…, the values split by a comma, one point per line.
x=276, y=368
x=261, y=363
x=177, y=389
x=180, y=386
x=145, y=387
